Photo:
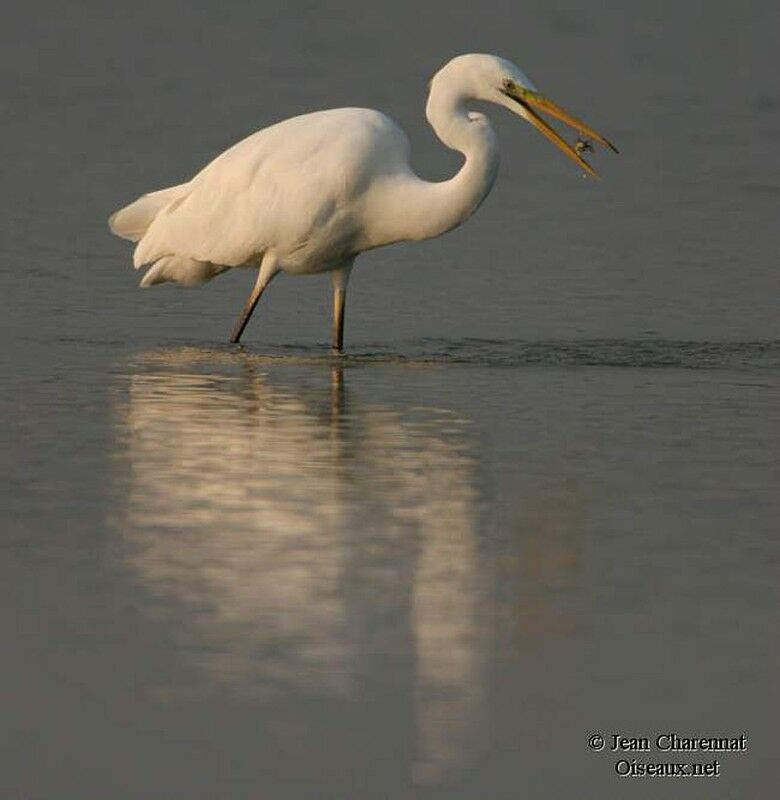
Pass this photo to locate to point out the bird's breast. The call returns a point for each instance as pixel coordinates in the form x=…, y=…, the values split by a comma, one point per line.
x=323, y=248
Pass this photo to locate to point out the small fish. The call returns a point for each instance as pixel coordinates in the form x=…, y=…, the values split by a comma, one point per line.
x=583, y=145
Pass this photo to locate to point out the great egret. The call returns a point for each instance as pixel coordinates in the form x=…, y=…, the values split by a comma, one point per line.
x=309, y=194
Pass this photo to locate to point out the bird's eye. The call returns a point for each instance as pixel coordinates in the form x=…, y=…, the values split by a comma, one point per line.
x=508, y=83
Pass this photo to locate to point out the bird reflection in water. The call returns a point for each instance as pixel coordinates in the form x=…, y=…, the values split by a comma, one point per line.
x=307, y=541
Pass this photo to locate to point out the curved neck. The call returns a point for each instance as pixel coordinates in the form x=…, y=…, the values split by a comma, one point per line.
x=449, y=203
x=410, y=208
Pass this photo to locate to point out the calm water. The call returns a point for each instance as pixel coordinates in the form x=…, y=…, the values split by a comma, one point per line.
x=536, y=500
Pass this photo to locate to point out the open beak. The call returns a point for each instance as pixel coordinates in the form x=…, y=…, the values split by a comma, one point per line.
x=530, y=100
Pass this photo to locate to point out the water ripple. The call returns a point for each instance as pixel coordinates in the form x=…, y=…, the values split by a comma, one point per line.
x=623, y=353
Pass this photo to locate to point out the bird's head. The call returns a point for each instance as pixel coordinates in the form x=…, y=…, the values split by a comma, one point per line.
x=496, y=80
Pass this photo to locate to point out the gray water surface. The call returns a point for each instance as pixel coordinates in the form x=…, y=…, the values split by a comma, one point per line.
x=535, y=500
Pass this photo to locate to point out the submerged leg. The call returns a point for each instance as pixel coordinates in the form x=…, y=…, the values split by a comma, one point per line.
x=340, y=277
x=265, y=273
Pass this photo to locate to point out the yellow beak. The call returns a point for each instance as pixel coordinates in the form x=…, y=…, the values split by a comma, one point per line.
x=529, y=100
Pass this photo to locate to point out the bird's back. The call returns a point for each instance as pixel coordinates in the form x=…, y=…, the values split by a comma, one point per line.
x=295, y=186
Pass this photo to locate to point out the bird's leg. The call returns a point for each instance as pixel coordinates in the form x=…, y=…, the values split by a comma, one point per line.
x=337, y=333
x=339, y=278
x=249, y=306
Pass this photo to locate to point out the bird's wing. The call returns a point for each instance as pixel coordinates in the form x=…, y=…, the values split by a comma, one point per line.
x=272, y=189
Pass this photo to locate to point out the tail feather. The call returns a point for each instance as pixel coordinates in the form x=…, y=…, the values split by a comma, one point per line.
x=132, y=222
x=180, y=269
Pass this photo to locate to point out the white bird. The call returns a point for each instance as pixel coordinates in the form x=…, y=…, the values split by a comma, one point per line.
x=309, y=194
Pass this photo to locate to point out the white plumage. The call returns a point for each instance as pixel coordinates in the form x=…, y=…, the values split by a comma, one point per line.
x=309, y=194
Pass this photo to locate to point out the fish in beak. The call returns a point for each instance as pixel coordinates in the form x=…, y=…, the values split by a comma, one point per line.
x=526, y=101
